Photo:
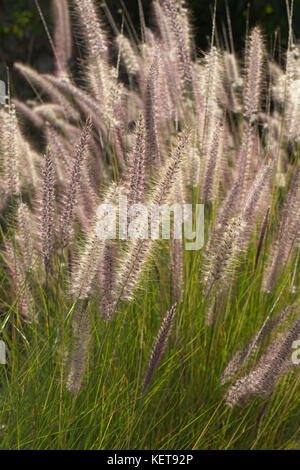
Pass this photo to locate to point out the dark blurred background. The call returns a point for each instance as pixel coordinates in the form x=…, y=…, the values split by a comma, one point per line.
x=23, y=38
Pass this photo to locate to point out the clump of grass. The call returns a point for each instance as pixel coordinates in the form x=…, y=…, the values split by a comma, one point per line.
x=79, y=313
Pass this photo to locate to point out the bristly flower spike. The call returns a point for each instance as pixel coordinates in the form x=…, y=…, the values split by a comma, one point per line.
x=159, y=346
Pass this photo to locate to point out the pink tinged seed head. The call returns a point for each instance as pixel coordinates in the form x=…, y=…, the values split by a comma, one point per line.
x=159, y=347
x=62, y=36
x=48, y=211
x=70, y=198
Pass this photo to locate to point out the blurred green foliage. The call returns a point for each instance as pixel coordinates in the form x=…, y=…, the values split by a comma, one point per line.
x=21, y=20
x=18, y=18
x=23, y=39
